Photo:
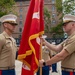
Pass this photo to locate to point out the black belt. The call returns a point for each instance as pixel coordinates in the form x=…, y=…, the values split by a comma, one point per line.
x=7, y=68
x=68, y=69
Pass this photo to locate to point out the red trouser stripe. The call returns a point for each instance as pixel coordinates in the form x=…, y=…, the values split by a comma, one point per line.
x=0, y=72
x=71, y=73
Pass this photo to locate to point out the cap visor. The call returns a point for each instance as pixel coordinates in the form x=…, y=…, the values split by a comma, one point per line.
x=13, y=23
x=63, y=24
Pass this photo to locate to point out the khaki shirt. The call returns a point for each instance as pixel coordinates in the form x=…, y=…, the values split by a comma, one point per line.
x=45, y=54
x=8, y=50
x=69, y=46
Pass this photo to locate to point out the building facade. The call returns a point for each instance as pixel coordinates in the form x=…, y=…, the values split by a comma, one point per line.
x=21, y=8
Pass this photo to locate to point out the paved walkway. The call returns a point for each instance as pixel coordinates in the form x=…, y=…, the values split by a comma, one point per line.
x=19, y=66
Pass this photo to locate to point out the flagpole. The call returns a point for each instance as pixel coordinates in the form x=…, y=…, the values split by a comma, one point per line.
x=41, y=58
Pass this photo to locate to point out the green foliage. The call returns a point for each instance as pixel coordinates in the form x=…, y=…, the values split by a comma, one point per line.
x=58, y=29
x=6, y=6
x=69, y=7
x=47, y=20
x=2, y=13
x=59, y=6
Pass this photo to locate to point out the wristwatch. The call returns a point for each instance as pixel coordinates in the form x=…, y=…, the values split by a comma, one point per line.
x=44, y=63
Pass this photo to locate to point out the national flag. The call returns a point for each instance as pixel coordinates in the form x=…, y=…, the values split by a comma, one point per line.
x=30, y=42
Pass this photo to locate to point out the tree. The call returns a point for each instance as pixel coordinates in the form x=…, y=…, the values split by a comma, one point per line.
x=66, y=7
x=57, y=30
x=62, y=8
x=69, y=7
x=6, y=6
x=53, y=30
x=47, y=20
x=59, y=6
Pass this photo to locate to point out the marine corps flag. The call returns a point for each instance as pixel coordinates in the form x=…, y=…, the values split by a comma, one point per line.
x=30, y=42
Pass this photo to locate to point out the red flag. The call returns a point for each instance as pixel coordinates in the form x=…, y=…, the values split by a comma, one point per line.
x=30, y=43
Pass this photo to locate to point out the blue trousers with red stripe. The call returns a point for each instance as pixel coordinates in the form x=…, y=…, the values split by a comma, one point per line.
x=68, y=73
x=7, y=72
x=45, y=70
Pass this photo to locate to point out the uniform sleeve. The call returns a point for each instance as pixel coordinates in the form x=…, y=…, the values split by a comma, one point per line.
x=70, y=46
x=63, y=42
x=2, y=42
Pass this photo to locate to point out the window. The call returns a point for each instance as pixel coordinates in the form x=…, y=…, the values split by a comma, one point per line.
x=19, y=36
x=53, y=15
x=53, y=21
x=20, y=23
x=53, y=1
x=20, y=3
x=53, y=8
x=20, y=10
x=20, y=17
x=20, y=29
